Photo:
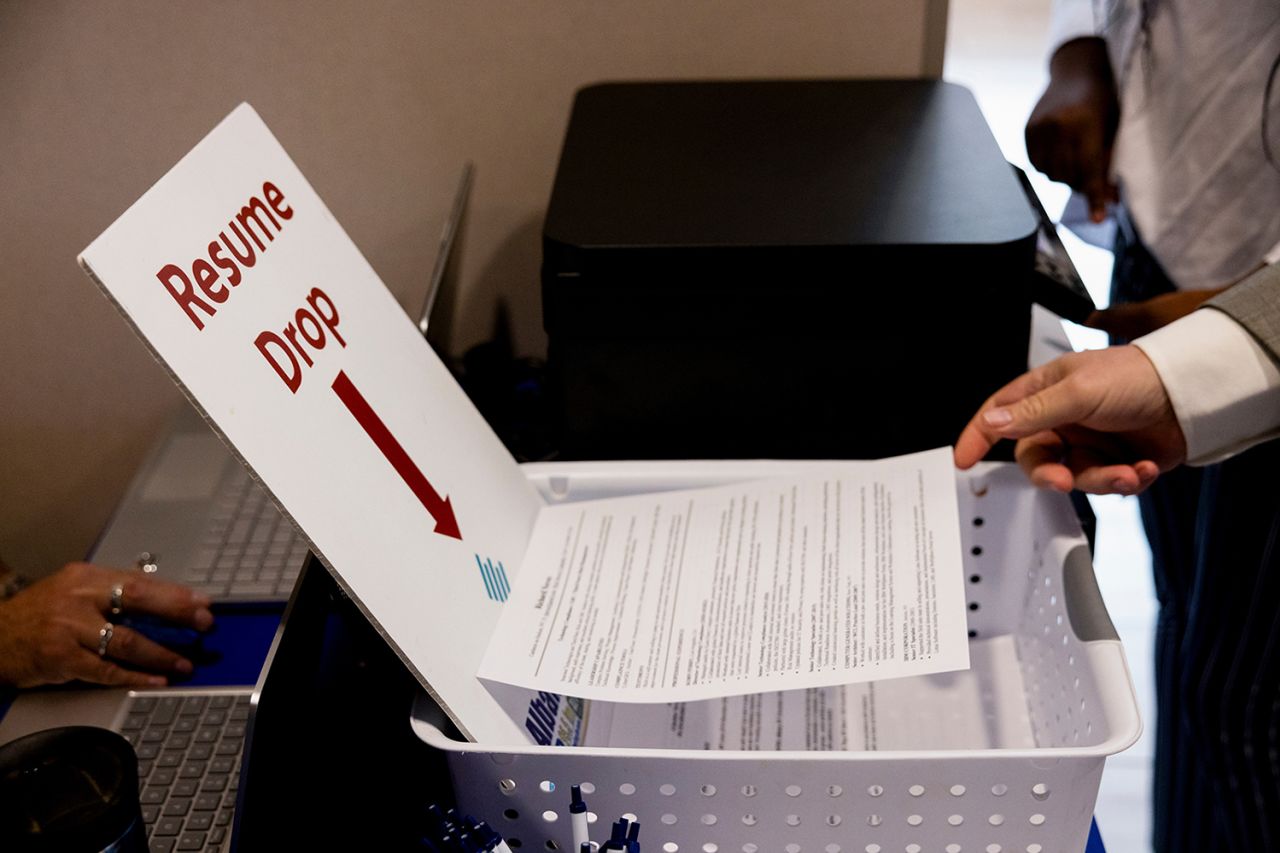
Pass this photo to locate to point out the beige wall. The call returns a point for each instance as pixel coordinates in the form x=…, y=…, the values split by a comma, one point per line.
x=379, y=103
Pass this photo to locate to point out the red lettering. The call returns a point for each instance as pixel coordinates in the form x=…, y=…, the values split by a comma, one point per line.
x=291, y=332
x=250, y=212
x=207, y=278
x=292, y=379
x=275, y=198
x=255, y=213
x=249, y=258
x=233, y=271
x=186, y=296
x=302, y=317
x=330, y=317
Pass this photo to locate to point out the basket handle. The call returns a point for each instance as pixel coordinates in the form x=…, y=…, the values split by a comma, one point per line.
x=1085, y=608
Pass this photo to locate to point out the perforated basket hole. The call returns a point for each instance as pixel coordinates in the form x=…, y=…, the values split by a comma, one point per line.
x=708, y=820
x=1034, y=848
x=1040, y=791
x=999, y=790
x=793, y=790
x=626, y=789
x=667, y=789
x=953, y=848
x=670, y=847
x=749, y=790
x=875, y=791
x=551, y=844
x=515, y=843
x=592, y=817
x=708, y=790
x=546, y=786
x=914, y=820
x=750, y=847
x=955, y=819
x=996, y=819
x=916, y=790
x=1036, y=820
x=834, y=820
x=710, y=847
x=874, y=820
x=749, y=820
x=993, y=848
x=913, y=848
x=511, y=814
x=832, y=848
x=669, y=819
x=587, y=788
x=507, y=786
x=629, y=817
x=550, y=816
x=793, y=820
x=957, y=790
x=792, y=848
x=872, y=848
x=834, y=791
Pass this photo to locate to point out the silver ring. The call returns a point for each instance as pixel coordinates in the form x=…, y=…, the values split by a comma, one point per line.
x=117, y=599
x=104, y=638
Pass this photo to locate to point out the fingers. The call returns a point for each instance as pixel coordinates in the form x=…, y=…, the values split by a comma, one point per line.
x=1051, y=463
x=87, y=666
x=1040, y=457
x=979, y=435
x=135, y=651
x=130, y=647
x=167, y=600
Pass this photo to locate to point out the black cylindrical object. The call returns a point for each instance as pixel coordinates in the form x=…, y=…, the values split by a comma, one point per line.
x=70, y=790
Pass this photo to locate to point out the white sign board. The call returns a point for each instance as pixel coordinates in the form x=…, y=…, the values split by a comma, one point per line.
x=244, y=285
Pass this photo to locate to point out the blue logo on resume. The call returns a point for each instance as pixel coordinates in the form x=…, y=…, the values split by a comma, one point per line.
x=495, y=579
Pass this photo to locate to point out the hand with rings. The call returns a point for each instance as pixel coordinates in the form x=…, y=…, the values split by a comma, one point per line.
x=65, y=627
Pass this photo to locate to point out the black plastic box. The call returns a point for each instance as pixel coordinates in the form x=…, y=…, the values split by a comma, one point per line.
x=780, y=269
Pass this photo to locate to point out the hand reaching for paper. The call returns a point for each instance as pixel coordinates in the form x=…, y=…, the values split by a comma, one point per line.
x=61, y=628
x=1099, y=421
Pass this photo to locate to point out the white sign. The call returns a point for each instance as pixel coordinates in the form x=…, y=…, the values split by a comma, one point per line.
x=244, y=285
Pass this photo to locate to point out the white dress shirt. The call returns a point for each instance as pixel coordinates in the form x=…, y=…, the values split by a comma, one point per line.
x=1224, y=386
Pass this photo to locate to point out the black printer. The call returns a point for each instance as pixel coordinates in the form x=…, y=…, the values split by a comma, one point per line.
x=806, y=269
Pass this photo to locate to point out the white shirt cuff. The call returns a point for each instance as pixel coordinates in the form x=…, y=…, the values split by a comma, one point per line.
x=1070, y=19
x=1223, y=385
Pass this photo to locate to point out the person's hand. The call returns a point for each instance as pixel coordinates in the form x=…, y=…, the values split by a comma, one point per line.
x=49, y=632
x=1135, y=319
x=1099, y=421
x=1073, y=125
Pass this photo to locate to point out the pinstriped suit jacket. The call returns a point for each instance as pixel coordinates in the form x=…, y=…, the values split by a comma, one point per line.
x=1255, y=304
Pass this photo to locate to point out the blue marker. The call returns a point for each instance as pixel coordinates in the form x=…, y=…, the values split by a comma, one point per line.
x=578, y=817
x=618, y=838
x=633, y=837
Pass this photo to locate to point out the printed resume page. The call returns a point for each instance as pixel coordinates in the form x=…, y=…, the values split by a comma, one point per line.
x=777, y=584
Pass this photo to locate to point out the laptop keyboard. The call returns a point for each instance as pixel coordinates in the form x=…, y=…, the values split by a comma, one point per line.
x=189, y=751
x=250, y=551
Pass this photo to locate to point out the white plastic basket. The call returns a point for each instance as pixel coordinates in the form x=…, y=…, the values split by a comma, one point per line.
x=1055, y=699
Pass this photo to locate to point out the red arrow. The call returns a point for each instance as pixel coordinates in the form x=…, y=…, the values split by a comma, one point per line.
x=440, y=508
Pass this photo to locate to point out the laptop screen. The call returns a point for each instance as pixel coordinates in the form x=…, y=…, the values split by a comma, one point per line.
x=329, y=759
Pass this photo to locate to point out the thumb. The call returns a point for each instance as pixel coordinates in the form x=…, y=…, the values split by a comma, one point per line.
x=1052, y=407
